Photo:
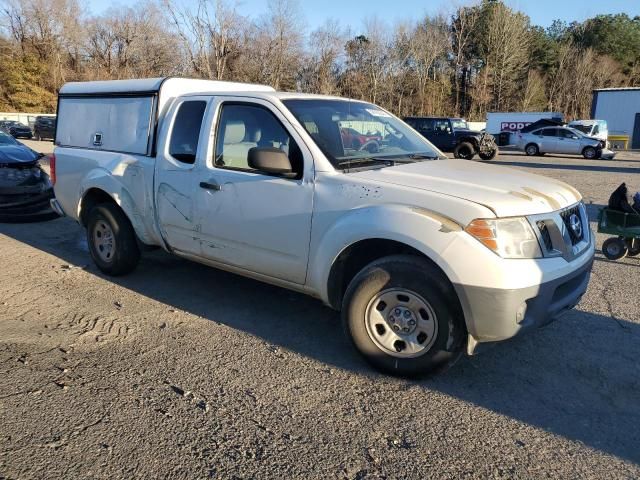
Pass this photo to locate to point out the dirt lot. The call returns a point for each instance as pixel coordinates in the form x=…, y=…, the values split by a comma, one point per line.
x=182, y=371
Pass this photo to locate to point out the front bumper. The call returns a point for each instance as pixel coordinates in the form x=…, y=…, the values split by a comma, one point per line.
x=497, y=314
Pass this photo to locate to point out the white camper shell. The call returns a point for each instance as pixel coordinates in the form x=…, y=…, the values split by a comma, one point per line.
x=122, y=116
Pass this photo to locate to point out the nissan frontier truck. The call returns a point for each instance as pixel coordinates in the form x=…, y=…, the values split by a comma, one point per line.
x=427, y=258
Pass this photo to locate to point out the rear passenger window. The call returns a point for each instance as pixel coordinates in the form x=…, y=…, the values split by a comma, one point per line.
x=186, y=131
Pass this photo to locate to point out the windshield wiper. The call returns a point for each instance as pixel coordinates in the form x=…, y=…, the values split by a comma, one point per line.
x=422, y=156
x=388, y=161
x=358, y=160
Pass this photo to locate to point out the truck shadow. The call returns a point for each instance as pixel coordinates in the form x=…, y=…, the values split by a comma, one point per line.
x=578, y=377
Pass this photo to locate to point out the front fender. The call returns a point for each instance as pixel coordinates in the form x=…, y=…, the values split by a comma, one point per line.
x=419, y=228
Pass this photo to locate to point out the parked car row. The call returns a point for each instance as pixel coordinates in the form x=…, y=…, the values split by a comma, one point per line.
x=43, y=128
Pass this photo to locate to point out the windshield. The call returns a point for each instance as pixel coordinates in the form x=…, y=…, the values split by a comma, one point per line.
x=460, y=124
x=586, y=129
x=579, y=133
x=7, y=139
x=353, y=133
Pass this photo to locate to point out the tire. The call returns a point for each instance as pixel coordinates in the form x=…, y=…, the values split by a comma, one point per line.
x=532, y=150
x=590, y=153
x=464, y=150
x=38, y=137
x=490, y=155
x=633, y=247
x=108, y=222
x=355, y=144
x=415, y=285
x=614, y=248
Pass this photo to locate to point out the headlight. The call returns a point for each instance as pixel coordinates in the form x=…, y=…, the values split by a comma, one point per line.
x=507, y=237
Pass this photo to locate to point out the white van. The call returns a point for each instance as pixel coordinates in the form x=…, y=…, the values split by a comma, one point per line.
x=592, y=128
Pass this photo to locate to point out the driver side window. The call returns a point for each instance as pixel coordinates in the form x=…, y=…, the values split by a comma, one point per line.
x=242, y=127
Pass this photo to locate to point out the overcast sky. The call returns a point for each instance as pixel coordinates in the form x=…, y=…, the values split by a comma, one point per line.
x=351, y=13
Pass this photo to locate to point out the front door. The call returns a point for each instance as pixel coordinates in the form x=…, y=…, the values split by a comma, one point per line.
x=568, y=142
x=182, y=145
x=248, y=219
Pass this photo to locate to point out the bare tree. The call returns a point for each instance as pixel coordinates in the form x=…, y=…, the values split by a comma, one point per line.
x=321, y=67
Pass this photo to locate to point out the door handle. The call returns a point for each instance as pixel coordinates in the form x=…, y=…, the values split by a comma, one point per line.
x=211, y=185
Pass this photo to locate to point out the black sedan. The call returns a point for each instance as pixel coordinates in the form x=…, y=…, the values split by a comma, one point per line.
x=17, y=129
x=25, y=189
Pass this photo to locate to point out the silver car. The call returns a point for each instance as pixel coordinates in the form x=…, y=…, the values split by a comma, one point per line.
x=562, y=140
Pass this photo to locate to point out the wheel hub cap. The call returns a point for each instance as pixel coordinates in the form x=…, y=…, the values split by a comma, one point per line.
x=402, y=320
x=401, y=323
x=104, y=241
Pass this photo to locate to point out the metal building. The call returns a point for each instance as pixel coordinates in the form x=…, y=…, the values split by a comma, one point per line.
x=620, y=107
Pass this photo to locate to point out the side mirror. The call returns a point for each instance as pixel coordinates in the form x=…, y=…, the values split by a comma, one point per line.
x=271, y=160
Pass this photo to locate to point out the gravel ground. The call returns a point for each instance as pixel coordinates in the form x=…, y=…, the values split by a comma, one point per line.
x=183, y=371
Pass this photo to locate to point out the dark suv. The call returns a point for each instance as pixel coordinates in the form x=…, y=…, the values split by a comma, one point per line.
x=45, y=127
x=454, y=135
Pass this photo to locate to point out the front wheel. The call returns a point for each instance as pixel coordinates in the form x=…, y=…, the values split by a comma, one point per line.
x=464, y=150
x=489, y=155
x=590, y=153
x=403, y=316
x=112, y=240
x=633, y=247
x=614, y=248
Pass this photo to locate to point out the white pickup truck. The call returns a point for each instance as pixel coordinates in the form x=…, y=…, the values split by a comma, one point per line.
x=426, y=257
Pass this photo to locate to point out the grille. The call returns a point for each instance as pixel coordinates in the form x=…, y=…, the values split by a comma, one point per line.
x=545, y=235
x=566, y=218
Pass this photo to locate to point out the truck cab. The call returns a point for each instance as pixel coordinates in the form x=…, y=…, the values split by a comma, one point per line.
x=427, y=258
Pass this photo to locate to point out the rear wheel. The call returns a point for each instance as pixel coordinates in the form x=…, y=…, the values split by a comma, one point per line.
x=112, y=240
x=464, y=150
x=614, y=248
x=532, y=150
x=403, y=316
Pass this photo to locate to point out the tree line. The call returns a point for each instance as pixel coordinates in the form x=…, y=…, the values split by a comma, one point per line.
x=475, y=59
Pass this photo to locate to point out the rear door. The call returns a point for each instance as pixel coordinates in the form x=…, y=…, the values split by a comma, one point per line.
x=181, y=146
x=442, y=134
x=547, y=139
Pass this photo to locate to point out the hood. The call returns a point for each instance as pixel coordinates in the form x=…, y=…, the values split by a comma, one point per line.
x=16, y=154
x=506, y=191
